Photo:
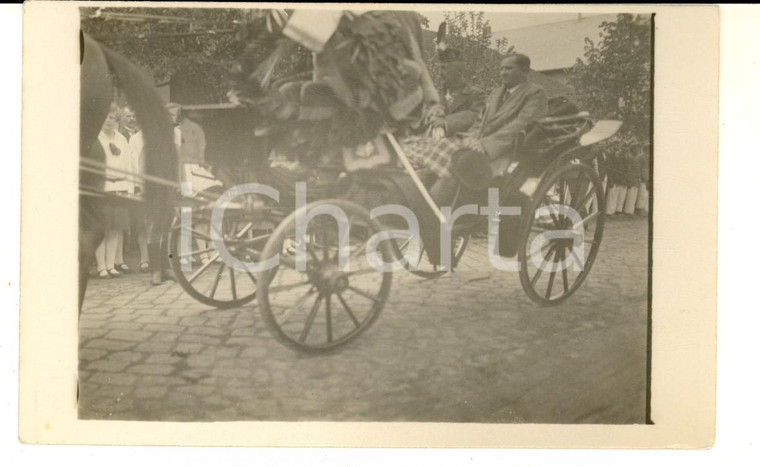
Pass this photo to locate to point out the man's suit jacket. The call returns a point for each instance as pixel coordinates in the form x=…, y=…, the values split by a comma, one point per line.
x=465, y=108
x=501, y=124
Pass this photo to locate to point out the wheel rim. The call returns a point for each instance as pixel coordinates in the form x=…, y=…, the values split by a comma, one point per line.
x=570, y=201
x=200, y=268
x=323, y=307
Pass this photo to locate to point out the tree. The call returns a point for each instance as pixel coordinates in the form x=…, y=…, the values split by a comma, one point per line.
x=613, y=80
x=198, y=44
x=470, y=32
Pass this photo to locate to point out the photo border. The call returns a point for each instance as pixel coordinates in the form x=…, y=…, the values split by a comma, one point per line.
x=683, y=266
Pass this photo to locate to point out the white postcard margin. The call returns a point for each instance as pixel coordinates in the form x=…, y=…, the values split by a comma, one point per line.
x=684, y=266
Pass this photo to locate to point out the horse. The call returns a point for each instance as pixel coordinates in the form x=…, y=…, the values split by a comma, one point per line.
x=100, y=69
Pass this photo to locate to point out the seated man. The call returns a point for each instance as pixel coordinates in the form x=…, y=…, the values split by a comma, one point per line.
x=509, y=110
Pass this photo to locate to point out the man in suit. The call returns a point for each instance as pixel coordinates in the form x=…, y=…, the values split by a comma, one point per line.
x=509, y=110
x=487, y=148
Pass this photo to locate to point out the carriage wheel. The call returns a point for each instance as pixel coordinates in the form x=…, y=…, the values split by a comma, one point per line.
x=417, y=261
x=321, y=307
x=569, y=203
x=199, y=267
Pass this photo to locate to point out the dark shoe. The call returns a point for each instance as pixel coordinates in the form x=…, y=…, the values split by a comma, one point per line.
x=168, y=275
x=123, y=268
x=155, y=278
x=159, y=277
x=144, y=266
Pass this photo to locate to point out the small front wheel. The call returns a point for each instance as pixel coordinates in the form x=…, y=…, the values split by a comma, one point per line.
x=200, y=269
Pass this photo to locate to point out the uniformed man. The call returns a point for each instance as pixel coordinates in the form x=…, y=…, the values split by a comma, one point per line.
x=463, y=102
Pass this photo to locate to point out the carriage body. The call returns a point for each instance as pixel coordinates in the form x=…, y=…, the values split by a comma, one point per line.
x=555, y=170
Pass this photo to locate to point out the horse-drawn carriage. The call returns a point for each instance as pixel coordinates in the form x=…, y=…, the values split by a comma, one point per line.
x=316, y=242
x=322, y=305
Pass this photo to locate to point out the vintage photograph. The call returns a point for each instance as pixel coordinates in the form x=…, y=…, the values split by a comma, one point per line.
x=365, y=215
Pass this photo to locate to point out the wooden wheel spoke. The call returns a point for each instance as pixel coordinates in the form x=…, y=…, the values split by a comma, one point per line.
x=216, y=281
x=328, y=319
x=550, y=243
x=552, y=274
x=312, y=253
x=200, y=271
x=195, y=233
x=253, y=278
x=220, y=234
x=348, y=310
x=244, y=230
x=565, y=285
x=419, y=259
x=354, y=254
x=578, y=205
x=310, y=319
x=285, y=288
x=197, y=252
x=562, y=191
x=586, y=219
x=232, y=283
x=555, y=219
x=363, y=293
x=325, y=250
x=539, y=229
x=405, y=244
x=579, y=183
x=577, y=258
x=286, y=314
x=540, y=270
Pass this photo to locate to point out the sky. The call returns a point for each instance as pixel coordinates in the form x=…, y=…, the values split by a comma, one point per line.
x=505, y=21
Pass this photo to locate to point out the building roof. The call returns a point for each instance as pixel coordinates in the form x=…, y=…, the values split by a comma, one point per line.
x=555, y=46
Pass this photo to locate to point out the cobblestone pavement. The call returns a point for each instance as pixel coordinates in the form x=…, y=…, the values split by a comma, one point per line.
x=467, y=347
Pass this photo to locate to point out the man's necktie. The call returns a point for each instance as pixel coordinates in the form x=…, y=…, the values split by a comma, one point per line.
x=504, y=97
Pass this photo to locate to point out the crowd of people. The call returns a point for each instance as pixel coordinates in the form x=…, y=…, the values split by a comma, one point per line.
x=627, y=180
x=126, y=228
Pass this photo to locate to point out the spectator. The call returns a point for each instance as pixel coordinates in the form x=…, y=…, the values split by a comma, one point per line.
x=109, y=254
x=642, y=203
x=139, y=227
x=128, y=123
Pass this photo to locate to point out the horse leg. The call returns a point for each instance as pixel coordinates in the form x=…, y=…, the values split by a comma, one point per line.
x=91, y=233
x=158, y=256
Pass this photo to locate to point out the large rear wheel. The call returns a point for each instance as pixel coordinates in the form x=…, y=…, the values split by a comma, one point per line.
x=561, y=233
x=317, y=305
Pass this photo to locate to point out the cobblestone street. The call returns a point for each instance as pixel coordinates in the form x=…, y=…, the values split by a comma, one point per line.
x=468, y=347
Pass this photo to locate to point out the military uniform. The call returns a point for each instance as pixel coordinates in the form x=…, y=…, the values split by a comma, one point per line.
x=463, y=109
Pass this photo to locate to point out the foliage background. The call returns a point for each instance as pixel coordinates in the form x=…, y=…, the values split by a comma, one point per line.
x=613, y=79
x=201, y=46
x=469, y=32
x=195, y=43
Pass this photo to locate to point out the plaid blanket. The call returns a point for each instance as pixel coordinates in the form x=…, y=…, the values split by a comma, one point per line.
x=428, y=155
